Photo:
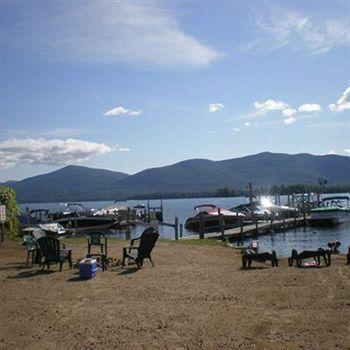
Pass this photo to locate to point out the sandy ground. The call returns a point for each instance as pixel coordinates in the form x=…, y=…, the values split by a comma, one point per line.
x=196, y=297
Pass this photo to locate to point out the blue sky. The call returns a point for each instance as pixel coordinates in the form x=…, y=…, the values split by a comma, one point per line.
x=131, y=85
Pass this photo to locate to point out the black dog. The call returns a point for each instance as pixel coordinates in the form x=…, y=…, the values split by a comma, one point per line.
x=249, y=255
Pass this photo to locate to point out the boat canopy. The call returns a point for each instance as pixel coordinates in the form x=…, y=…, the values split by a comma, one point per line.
x=336, y=198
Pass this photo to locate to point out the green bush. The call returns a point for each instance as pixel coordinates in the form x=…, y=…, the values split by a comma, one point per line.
x=8, y=198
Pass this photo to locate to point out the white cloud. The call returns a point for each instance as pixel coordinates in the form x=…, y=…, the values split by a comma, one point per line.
x=288, y=112
x=236, y=129
x=330, y=153
x=214, y=107
x=279, y=27
x=347, y=151
x=309, y=108
x=247, y=123
x=59, y=132
x=135, y=113
x=271, y=105
x=124, y=149
x=64, y=132
x=122, y=111
x=343, y=102
x=51, y=152
x=139, y=33
x=289, y=120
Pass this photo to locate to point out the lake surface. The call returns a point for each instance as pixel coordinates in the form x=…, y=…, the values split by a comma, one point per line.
x=283, y=242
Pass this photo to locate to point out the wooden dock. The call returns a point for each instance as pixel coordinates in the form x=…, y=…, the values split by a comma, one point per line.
x=256, y=228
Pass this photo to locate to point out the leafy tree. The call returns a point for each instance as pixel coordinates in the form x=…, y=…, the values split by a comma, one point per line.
x=8, y=198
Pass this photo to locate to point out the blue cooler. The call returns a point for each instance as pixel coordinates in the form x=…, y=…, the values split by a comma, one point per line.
x=87, y=268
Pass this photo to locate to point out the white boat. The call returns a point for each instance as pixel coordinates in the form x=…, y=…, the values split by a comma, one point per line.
x=211, y=213
x=332, y=211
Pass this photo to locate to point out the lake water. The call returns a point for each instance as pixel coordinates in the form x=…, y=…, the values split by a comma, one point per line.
x=301, y=238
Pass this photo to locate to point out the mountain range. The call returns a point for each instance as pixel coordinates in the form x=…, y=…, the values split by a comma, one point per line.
x=78, y=183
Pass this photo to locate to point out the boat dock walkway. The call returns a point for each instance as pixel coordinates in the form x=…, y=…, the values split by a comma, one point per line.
x=256, y=228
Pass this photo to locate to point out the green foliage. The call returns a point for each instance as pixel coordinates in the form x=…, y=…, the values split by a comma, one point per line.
x=8, y=198
x=83, y=239
x=306, y=188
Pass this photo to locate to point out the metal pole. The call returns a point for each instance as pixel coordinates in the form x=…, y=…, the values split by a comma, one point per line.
x=148, y=212
x=271, y=224
x=304, y=216
x=250, y=193
x=181, y=230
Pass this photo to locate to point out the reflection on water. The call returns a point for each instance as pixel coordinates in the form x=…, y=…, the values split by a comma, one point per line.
x=282, y=242
x=305, y=238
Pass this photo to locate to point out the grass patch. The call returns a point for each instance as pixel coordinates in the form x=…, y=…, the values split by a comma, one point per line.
x=201, y=242
x=165, y=240
x=84, y=240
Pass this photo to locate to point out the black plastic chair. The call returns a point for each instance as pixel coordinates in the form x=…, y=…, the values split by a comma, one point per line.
x=97, y=239
x=148, y=240
x=54, y=251
x=32, y=249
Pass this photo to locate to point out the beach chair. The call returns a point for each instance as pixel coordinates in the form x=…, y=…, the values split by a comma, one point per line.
x=97, y=239
x=148, y=240
x=54, y=251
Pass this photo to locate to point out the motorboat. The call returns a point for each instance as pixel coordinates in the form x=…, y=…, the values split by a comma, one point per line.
x=253, y=212
x=332, y=211
x=112, y=210
x=81, y=219
x=278, y=211
x=211, y=214
x=75, y=222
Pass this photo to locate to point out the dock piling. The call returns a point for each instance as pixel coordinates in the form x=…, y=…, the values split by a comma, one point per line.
x=201, y=227
x=176, y=227
x=256, y=225
x=221, y=224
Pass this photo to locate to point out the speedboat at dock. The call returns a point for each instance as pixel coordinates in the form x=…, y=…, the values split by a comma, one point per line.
x=332, y=211
x=211, y=214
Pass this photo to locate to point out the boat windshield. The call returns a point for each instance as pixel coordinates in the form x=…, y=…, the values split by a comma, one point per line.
x=73, y=208
x=205, y=208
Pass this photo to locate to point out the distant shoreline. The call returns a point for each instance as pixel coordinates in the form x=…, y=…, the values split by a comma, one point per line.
x=330, y=190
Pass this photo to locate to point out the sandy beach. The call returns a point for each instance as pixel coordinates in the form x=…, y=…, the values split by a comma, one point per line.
x=196, y=297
